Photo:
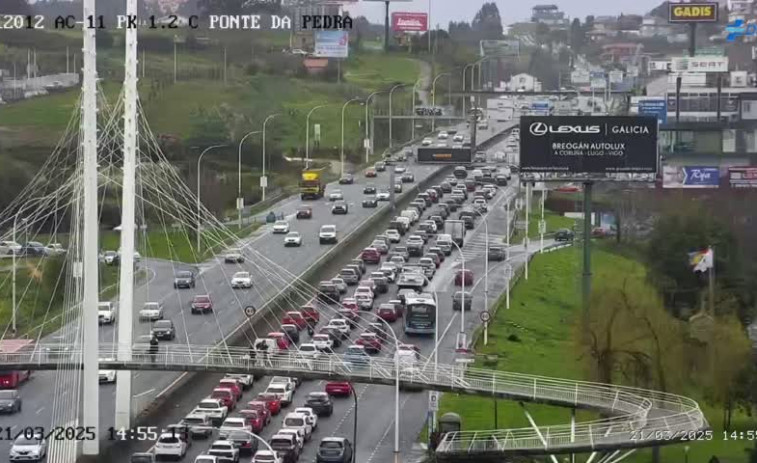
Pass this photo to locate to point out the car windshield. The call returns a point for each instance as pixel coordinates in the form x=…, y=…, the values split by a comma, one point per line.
x=184, y=275
x=202, y=299
x=276, y=390
x=162, y=324
x=307, y=348
x=151, y=306
x=294, y=422
x=7, y=395
x=168, y=439
x=355, y=351
x=293, y=235
x=194, y=420
x=328, y=229
x=330, y=449
x=22, y=440
x=233, y=424
x=321, y=337
x=208, y=405
x=281, y=223
x=242, y=275
x=281, y=444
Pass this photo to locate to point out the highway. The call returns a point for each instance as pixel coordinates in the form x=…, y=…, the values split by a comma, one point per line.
x=37, y=393
x=375, y=406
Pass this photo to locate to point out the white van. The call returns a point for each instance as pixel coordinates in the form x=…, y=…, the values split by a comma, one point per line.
x=299, y=422
x=404, y=220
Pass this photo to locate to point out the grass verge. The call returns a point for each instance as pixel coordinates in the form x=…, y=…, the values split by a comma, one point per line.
x=536, y=337
x=554, y=222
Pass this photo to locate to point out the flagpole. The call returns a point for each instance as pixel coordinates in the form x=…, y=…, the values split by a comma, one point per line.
x=712, y=281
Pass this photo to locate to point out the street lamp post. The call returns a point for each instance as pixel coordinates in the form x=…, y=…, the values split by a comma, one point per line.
x=412, y=129
x=390, y=112
x=507, y=229
x=240, y=200
x=199, y=221
x=13, y=271
x=354, y=425
x=264, y=179
x=461, y=344
x=486, y=262
x=433, y=98
x=307, y=135
x=396, y=389
x=465, y=68
x=369, y=144
x=341, y=151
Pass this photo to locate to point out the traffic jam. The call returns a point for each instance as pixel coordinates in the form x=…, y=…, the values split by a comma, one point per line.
x=354, y=314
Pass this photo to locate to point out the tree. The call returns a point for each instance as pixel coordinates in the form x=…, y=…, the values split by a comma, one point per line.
x=487, y=22
x=577, y=35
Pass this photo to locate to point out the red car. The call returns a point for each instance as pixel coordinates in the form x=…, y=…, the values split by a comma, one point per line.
x=311, y=314
x=370, y=256
x=351, y=303
x=304, y=212
x=468, y=278
x=340, y=388
x=202, y=304
x=370, y=341
x=282, y=340
x=229, y=383
x=272, y=401
x=226, y=396
x=388, y=312
x=262, y=408
x=349, y=314
x=254, y=419
x=370, y=173
x=294, y=318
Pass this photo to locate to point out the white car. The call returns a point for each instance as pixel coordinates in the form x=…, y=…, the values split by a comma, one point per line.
x=265, y=456
x=458, y=138
x=327, y=234
x=283, y=391
x=364, y=291
x=281, y=227
x=211, y=408
x=298, y=435
x=389, y=270
x=399, y=169
x=225, y=449
x=481, y=205
x=299, y=422
x=233, y=424
x=245, y=380
x=426, y=142
x=28, y=448
x=293, y=239
x=54, y=249
x=309, y=351
x=170, y=445
x=393, y=235
x=107, y=376
x=151, y=311
x=365, y=301
x=106, y=313
x=241, y=280
x=206, y=459
x=340, y=284
x=233, y=256
x=443, y=135
x=9, y=247
x=383, y=196
x=336, y=195
x=310, y=413
x=340, y=324
x=285, y=380
x=323, y=342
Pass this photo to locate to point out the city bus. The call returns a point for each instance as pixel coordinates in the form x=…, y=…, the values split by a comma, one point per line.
x=420, y=314
x=12, y=379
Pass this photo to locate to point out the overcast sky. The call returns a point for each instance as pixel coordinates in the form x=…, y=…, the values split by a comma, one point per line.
x=444, y=11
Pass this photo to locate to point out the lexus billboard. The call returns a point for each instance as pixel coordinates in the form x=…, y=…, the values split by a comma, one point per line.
x=409, y=22
x=588, y=144
x=444, y=155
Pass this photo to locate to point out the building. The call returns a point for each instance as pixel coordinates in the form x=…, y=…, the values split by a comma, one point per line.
x=741, y=9
x=653, y=26
x=549, y=15
x=621, y=52
x=524, y=82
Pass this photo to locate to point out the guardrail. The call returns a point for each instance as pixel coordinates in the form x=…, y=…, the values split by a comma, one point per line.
x=639, y=417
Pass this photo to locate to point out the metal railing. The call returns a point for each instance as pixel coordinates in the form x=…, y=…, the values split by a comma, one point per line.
x=638, y=417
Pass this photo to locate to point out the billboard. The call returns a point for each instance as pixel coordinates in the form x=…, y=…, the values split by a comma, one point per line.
x=445, y=155
x=742, y=177
x=409, y=22
x=690, y=176
x=332, y=44
x=580, y=76
x=699, y=12
x=658, y=65
x=586, y=144
x=699, y=64
x=657, y=107
x=499, y=48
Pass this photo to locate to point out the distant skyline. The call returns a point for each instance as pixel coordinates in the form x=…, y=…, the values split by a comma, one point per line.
x=444, y=11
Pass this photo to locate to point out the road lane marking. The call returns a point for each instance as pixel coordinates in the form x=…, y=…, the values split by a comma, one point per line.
x=39, y=411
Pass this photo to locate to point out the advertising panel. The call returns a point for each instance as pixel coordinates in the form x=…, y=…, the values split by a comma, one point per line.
x=657, y=107
x=586, y=144
x=616, y=77
x=699, y=64
x=445, y=155
x=698, y=12
x=742, y=177
x=690, y=176
x=409, y=22
x=499, y=48
x=580, y=76
x=653, y=66
x=332, y=44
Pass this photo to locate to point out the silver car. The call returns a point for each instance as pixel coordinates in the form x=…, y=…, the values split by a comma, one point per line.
x=28, y=448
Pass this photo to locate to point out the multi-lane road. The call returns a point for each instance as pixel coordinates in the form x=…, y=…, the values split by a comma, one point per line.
x=375, y=403
x=38, y=393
